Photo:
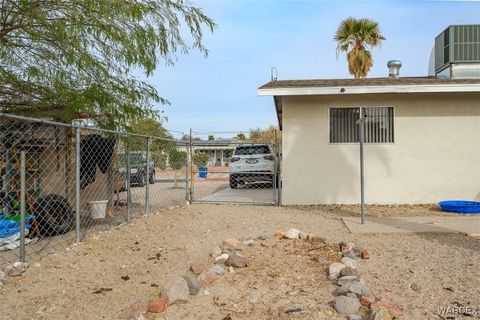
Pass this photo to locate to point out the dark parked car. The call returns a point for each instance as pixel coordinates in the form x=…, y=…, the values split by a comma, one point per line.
x=138, y=169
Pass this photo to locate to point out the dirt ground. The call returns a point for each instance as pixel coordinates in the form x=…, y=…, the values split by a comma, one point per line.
x=282, y=275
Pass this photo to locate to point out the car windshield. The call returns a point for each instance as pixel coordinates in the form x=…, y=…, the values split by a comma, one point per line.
x=249, y=150
x=135, y=159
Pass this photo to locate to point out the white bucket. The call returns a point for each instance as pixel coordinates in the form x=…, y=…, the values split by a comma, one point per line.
x=97, y=209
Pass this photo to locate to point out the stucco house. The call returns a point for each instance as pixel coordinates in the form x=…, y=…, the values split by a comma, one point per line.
x=421, y=134
x=422, y=139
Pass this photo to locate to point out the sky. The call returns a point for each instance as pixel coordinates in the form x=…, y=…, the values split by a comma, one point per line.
x=218, y=94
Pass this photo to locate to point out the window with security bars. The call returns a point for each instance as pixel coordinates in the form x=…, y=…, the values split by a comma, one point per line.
x=378, y=126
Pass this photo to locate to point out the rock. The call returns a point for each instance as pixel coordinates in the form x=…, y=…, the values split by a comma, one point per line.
x=349, y=254
x=360, y=289
x=334, y=270
x=262, y=237
x=198, y=267
x=219, y=271
x=176, y=290
x=216, y=251
x=316, y=238
x=41, y=309
x=347, y=246
x=346, y=305
x=367, y=300
x=21, y=266
x=231, y=270
x=351, y=295
x=222, y=258
x=386, y=304
x=357, y=250
x=349, y=271
x=232, y=243
x=206, y=292
x=236, y=261
x=321, y=259
x=249, y=242
x=349, y=262
x=343, y=289
x=207, y=278
x=194, y=285
x=2, y=274
x=364, y=254
x=303, y=235
x=135, y=311
x=279, y=234
x=157, y=305
x=354, y=317
x=382, y=315
x=292, y=234
x=347, y=279
x=12, y=272
x=415, y=287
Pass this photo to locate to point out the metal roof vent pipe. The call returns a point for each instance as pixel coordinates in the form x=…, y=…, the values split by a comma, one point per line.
x=394, y=68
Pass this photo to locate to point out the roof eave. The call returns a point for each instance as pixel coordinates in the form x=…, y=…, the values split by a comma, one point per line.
x=301, y=91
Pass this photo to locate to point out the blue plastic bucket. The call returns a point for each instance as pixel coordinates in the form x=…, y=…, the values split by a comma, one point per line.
x=202, y=172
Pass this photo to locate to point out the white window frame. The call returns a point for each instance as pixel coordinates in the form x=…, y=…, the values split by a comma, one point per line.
x=361, y=107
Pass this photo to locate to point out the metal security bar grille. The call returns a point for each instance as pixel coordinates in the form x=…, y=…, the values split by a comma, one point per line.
x=379, y=124
x=59, y=183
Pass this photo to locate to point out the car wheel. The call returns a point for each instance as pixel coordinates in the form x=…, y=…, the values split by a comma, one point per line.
x=233, y=182
x=141, y=181
x=152, y=178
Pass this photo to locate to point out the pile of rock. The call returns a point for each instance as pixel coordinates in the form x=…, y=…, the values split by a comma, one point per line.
x=294, y=234
x=353, y=293
x=200, y=276
x=14, y=270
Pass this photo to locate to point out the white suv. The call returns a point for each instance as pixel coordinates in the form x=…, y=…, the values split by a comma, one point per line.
x=252, y=163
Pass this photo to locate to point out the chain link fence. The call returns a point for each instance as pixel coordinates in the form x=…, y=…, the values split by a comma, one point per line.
x=235, y=171
x=58, y=182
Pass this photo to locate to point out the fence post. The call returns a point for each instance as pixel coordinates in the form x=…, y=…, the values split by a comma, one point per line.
x=129, y=191
x=187, y=173
x=147, y=178
x=22, y=206
x=77, y=185
x=362, y=173
x=190, y=151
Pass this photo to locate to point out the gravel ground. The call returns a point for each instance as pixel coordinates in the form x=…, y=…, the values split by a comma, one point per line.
x=444, y=267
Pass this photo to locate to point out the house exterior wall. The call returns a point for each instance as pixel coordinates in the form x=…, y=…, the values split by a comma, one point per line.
x=435, y=156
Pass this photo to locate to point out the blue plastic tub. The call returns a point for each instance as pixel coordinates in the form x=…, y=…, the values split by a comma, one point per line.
x=202, y=172
x=460, y=206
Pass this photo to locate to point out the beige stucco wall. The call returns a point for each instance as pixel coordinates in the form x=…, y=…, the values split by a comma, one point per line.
x=436, y=154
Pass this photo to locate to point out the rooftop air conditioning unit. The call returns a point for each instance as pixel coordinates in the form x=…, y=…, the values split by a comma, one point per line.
x=457, y=52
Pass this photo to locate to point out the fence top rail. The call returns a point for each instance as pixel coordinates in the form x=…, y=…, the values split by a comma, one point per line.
x=197, y=143
x=66, y=125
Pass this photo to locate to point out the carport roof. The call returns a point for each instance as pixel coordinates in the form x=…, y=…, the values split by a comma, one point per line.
x=280, y=88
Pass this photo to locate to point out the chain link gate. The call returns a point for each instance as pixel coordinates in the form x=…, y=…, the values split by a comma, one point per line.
x=235, y=172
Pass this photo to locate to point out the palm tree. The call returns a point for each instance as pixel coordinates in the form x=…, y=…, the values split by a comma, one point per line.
x=357, y=37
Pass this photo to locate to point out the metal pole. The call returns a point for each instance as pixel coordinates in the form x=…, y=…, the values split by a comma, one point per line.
x=191, y=167
x=77, y=185
x=362, y=170
x=187, y=172
x=22, y=206
x=129, y=191
x=147, y=178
